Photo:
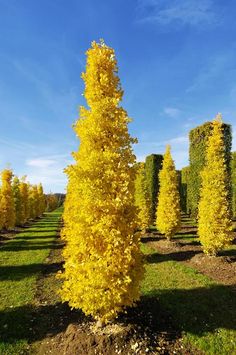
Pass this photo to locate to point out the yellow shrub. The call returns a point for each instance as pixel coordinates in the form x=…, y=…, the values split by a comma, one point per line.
x=168, y=208
x=214, y=224
x=103, y=262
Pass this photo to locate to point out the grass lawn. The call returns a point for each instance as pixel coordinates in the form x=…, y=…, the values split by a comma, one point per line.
x=202, y=309
x=21, y=261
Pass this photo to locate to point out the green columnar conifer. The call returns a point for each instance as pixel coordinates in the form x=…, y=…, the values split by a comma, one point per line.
x=142, y=200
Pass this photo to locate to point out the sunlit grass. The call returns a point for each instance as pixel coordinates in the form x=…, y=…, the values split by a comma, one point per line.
x=21, y=261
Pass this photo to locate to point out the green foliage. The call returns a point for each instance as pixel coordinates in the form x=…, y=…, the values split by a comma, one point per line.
x=197, y=152
x=233, y=178
x=153, y=166
x=183, y=189
x=141, y=197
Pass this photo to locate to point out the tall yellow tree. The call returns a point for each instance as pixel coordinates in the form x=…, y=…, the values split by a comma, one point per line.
x=17, y=200
x=142, y=200
x=168, y=208
x=7, y=207
x=1, y=215
x=33, y=201
x=103, y=262
x=24, y=192
x=42, y=200
x=214, y=224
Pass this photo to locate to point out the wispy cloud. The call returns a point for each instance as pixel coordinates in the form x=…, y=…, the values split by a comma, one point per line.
x=178, y=12
x=171, y=112
x=61, y=102
x=48, y=170
x=217, y=67
x=40, y=162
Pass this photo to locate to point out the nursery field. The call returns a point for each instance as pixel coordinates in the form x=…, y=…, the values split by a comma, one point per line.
x=188, y=303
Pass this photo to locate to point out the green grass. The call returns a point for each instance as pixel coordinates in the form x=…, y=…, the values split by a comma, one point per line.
x=21, y=261
x=202, y=309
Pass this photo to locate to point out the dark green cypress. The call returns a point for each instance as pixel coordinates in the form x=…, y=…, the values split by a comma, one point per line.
x=153, y=165
x=197, y=150
x=183, y=189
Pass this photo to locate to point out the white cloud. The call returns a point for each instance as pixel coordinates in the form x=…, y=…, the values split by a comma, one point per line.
x=40, y=163
x=178, y=140
x=171, y=112
x=181, y=12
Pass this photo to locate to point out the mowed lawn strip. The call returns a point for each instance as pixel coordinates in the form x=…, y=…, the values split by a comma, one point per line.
x=204, y=310
x=21, y=261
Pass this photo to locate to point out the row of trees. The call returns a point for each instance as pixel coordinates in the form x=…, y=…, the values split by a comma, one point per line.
x=19, y=200
x=214, y=223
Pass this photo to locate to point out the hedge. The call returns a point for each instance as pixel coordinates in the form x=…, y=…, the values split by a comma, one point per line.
x=198, y=138
x=153, y=165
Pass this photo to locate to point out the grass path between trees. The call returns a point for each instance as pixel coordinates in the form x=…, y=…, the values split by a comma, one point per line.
x=205, y=311
x=21, y=261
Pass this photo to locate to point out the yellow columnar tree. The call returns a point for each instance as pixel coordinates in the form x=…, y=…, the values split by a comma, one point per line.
x=103, y=262
x=51, y=202
x=17, y=200
x=36, y=201
x=33, y=201
x=142, y=200
x=24, y=191
x=214, y=224
x=1, y=215
x=168, y=208
x=42, y=201
x=7, y=207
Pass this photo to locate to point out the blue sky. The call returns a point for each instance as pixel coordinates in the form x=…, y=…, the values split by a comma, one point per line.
x=177, y=64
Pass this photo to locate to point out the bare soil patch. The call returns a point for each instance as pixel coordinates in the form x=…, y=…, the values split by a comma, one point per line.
x=221, y=268
x=57, y=330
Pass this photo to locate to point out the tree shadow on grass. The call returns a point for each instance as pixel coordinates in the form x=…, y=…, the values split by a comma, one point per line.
x=176, y=256
x=192, y=233
x=202, y=309
x=149, y=239
x=19, y=246
x=196, y=311
x=15, y=273
x=39, y=230
x=36, y=236
x=36, y=322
